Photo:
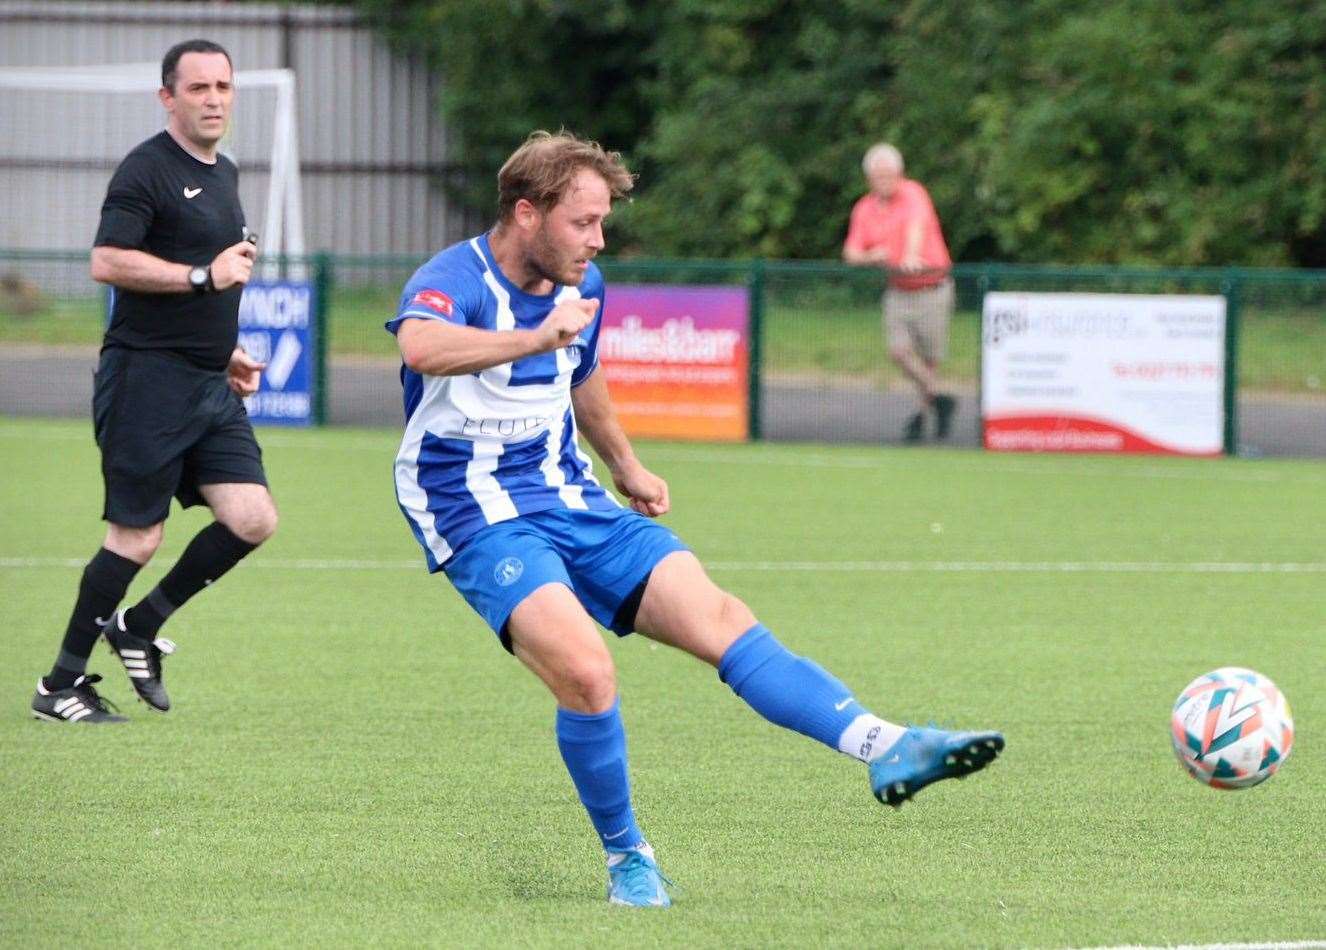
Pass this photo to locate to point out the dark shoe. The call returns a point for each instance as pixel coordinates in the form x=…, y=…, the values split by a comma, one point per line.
x=945, y=405
x=77, y=703
x=914, y=429
x=141, y=659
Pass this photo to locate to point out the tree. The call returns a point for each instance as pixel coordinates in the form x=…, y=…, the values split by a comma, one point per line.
x=763, y=112
x=1130, y=131
x=744, y=120
x=511, y=67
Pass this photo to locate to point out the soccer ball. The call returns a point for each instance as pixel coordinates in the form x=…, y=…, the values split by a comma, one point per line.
x=1232, y=728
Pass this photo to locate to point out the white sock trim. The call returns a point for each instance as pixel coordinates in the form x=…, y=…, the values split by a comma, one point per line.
x=868, y=737
x=617, y=857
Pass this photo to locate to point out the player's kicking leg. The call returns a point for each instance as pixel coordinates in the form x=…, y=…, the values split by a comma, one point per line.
x=684, y=608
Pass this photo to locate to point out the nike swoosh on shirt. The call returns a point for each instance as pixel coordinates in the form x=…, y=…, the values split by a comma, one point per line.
x=192, y=192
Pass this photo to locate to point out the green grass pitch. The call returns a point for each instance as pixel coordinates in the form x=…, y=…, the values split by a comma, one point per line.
x=353, y=761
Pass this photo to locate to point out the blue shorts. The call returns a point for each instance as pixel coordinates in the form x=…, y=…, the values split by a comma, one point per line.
x=604, y=557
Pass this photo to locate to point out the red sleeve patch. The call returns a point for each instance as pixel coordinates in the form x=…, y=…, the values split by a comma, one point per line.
x=436, y=301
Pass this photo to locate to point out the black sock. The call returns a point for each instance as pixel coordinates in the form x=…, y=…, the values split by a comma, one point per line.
x=105, y=579
x=213, y=551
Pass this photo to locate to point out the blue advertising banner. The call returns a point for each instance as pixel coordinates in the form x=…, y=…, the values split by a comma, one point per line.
x=276, y=327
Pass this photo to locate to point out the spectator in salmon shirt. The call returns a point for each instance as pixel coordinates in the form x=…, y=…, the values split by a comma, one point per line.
x=894, y=226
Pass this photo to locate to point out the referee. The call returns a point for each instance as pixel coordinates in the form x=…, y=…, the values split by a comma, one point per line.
x=166, y=401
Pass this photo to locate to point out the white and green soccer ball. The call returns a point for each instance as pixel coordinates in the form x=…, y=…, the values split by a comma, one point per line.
x=1232, y=728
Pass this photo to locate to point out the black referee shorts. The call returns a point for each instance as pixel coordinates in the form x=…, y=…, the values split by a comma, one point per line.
x=166, y=427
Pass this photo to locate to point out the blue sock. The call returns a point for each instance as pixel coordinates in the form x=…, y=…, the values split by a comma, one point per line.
x=786, y=689
x=593, y=747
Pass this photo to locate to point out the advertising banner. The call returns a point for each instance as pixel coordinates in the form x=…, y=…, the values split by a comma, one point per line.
x=276, y=327
x=1103, y=373
x=677, y=360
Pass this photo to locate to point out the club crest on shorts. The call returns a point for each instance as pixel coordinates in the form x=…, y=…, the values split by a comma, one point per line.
x=508, y=571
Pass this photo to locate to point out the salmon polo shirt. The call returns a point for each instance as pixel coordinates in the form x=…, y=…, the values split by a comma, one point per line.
x=879, y=223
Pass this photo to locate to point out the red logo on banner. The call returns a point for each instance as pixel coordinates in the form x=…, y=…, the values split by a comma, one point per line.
x=435, y=300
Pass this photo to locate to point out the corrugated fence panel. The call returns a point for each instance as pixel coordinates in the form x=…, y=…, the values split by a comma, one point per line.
x=371, y=147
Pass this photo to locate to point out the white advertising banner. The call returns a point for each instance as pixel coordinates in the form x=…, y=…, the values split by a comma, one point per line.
x=1103, y=373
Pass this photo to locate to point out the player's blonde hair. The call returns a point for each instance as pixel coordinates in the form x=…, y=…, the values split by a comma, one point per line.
x=540, y=171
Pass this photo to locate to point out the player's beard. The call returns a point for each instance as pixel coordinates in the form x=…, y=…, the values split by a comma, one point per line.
x=550, y=264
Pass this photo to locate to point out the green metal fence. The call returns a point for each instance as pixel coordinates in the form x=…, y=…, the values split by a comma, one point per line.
x=820, y=366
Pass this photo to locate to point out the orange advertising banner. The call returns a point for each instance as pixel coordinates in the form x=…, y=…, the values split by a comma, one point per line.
x=677, y=361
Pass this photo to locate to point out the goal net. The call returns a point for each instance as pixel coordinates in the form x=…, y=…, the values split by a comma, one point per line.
x=67, y=128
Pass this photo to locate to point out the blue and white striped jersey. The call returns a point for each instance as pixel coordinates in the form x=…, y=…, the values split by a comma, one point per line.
x=490, y=446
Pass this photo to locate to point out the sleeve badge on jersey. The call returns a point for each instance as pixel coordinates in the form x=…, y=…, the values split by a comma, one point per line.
x=436, y=301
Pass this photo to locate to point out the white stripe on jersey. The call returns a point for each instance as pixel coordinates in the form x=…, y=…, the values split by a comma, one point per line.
x=490, y=496
x=564, y=367
x=573, y=496
x=499, y=377
x=409, y=493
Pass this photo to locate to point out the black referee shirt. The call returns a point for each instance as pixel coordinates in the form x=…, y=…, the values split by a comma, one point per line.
x=164, y=201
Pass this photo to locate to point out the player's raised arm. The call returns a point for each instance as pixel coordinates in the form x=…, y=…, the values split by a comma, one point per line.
x=440, y=348
x=597, y=420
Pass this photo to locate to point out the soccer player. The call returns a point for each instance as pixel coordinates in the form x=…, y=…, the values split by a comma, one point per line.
x=499, y=338
x=166, y=404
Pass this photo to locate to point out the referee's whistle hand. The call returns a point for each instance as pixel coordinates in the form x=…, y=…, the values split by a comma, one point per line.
x=234, y=265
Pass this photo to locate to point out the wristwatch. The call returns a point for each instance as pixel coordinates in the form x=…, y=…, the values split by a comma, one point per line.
x=200, y=279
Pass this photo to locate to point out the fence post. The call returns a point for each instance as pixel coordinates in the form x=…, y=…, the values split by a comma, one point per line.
x=755, y=329
x=323, y=280
x=986, y=281
x=1232, y=287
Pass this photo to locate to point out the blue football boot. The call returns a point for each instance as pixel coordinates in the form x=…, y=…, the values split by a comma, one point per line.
x=634, y=880
x=922, y=756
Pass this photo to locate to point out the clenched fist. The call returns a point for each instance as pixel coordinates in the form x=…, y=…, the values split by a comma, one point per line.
x=234, y=265
x=564, y=323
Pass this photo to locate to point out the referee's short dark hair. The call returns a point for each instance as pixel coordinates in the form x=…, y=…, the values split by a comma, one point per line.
x=170, y=64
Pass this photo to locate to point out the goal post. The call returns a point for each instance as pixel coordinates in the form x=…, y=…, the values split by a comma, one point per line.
x=67, y=128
